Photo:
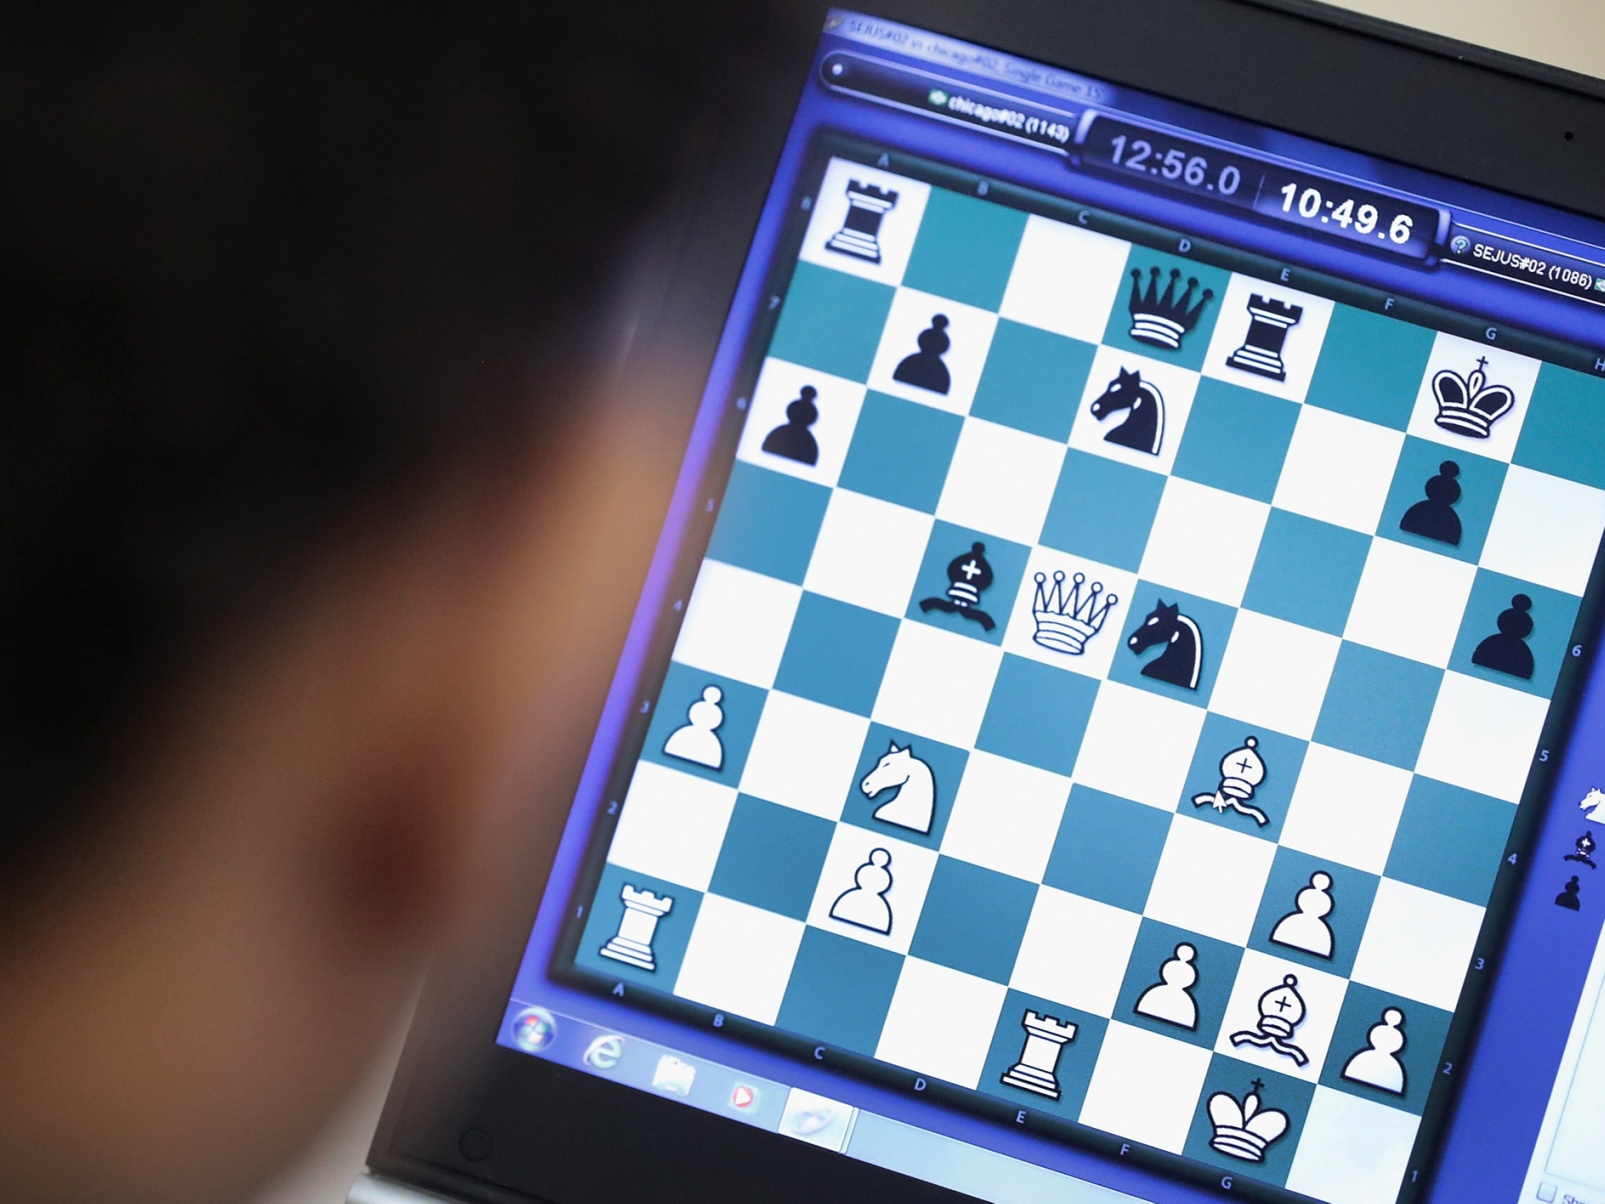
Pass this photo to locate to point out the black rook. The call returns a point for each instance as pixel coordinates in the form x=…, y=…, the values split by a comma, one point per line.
x=1261, y=352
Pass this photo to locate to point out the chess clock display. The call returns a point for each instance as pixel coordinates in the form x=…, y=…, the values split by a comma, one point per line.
x=1240, y=180
x=1337, y=208
x=1186, y=165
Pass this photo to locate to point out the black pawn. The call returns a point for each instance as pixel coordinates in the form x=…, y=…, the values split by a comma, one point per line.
x=1568, y=896
x=1435, y=518
x=925, y=369
x=794, y=440
x=1507, y=652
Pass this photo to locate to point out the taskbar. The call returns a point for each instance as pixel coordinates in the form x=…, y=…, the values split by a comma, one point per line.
x=793, y=1112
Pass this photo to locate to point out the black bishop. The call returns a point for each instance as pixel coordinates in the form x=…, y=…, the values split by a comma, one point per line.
x=968, y=577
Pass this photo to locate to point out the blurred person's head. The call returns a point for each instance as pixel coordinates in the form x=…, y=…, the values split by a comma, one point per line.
x=296, y=503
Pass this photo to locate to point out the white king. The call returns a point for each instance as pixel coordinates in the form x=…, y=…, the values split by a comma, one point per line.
x=1067, y=619
x=1244, y=1130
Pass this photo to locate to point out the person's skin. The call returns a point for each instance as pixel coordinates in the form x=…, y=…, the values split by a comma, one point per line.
x=188, y=999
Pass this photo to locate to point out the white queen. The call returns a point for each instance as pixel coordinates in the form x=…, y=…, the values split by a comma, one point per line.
x=1067, y=618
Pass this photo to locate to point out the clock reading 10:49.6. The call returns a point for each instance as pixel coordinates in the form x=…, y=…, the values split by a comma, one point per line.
x=1353, y=214
x=1313, y=206
x=1245, y=181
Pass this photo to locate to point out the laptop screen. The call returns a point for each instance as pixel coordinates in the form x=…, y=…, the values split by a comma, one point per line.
x=1101, y=707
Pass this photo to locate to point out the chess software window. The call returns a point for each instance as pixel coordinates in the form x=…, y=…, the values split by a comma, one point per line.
x=1109, y=690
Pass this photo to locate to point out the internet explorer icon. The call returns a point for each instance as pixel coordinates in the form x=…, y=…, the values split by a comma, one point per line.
x=605, y=1052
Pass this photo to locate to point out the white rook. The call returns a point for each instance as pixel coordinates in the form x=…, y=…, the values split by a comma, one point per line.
x=633, y=941
x=1037, y=1069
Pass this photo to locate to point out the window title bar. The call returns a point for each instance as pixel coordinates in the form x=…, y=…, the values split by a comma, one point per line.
x=963, y=56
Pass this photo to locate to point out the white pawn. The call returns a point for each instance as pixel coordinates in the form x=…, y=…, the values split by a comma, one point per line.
x=1306, y=928
x=864, y=903
x=1377, y=1065
x=698, y=741
x=1171, y=998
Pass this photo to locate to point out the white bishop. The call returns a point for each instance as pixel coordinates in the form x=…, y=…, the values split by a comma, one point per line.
x=1241, y=772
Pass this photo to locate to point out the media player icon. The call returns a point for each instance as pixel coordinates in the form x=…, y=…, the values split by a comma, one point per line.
x=744, y=1098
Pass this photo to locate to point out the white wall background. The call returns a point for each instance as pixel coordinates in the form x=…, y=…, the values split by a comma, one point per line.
x=1566, y=33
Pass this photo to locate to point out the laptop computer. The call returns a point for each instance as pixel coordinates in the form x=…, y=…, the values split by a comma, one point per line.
x=1109, y=717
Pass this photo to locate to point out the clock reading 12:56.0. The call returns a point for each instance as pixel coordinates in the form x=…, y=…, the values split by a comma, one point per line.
x=1244, y=181
x=1173, y=164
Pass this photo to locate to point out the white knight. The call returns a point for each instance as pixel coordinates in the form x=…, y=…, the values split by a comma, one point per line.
x=914, y=805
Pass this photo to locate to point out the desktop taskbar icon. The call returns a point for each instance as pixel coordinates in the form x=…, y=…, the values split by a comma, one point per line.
x=674, y=1076
x=534, y=1030
x=604, y=1052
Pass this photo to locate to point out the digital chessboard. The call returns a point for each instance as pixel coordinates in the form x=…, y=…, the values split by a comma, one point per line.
x=1110, y=685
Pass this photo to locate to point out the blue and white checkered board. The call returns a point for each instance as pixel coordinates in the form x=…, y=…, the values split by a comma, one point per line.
x=1067, y=859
